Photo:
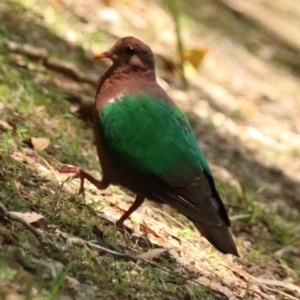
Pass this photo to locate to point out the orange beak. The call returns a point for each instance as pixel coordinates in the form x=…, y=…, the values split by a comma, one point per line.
x=102, y=55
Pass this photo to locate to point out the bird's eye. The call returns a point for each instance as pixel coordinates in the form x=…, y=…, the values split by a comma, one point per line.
x=129, y=50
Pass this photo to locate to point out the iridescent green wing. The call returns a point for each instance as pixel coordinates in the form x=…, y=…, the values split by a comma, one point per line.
x=152, y=137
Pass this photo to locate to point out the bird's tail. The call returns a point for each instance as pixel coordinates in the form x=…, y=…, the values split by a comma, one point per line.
x=219, y=237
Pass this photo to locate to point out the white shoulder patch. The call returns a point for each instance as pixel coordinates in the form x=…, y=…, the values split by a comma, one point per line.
x=116, y=99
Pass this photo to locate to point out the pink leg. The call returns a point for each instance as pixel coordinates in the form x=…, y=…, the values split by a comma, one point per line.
x=136, y=204
x=100, y=184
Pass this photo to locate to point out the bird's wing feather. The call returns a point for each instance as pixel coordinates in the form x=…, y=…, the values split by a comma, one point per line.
x=154, y=139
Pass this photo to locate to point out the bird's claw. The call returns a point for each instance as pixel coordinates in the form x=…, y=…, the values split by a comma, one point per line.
x=122, y=228
x=78, y=174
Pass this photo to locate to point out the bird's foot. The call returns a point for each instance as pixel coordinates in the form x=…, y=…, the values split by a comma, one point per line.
x=118, y=225
x=123, y=228
x=100, y=184
x=78, y=174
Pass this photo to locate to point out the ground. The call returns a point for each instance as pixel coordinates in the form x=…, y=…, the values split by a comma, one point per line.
x=242, y=100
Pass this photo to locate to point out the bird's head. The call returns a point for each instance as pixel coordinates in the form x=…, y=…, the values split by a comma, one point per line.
x=130, y=53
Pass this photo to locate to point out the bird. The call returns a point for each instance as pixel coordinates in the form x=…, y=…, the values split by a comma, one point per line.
x=145, y=143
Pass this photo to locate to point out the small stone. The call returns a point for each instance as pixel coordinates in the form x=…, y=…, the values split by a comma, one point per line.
x=228, y=283
x=247, y=244
x=134, y=273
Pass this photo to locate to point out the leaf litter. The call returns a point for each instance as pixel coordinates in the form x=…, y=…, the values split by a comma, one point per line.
x=242, y=278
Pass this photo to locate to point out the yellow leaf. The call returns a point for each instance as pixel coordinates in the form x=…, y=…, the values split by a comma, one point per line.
x=195, y=56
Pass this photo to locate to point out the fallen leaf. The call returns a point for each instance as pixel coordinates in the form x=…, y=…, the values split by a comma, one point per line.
x=29, y=217
x=195, y=56
x=5, y=125
x=39, y=144
x=72, y=283
x=152, y=253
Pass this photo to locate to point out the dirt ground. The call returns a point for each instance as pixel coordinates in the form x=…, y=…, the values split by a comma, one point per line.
x=243, y=101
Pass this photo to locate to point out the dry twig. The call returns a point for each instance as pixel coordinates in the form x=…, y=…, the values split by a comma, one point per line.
x=4, y=213
x=70, y=241
x=286, y=296
x=288, y=285
x=51, y=63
